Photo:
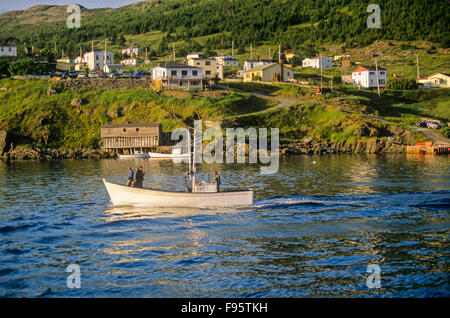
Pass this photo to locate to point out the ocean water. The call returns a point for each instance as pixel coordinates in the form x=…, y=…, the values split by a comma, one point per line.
x=313, y=231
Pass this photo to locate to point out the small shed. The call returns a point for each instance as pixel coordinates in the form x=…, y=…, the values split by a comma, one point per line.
x=126, y=138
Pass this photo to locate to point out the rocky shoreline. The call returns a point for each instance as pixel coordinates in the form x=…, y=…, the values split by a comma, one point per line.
x=306, y=146
x=374, y=146
x=33, y=153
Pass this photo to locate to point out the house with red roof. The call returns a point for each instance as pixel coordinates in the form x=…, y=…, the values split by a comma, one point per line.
x=366, y=76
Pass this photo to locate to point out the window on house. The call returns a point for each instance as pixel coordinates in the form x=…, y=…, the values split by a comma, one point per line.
x=137, y=129
x=382, y=73
x=124, y=129
x=173, y=73
x=2, y=49
x=195, y=73
x=184, y=72
x=372, y=73
x=208, y=72
x=207, y=63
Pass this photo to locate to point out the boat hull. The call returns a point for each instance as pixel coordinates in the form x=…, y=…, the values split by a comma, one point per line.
x=135, y=156
x=123, y=195
x=154, y=155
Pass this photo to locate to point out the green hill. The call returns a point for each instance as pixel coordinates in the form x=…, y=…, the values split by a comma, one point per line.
x=289, y=23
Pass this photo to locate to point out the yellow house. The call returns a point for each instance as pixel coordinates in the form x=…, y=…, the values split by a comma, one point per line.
x=435, y=80
x=269, y=73
x=208, y=65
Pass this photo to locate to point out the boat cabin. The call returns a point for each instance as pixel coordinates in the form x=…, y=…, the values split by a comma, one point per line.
x=129, y=138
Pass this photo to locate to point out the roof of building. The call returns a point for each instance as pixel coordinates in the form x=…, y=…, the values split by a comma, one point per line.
x=225, y=57
x=426, y=77
x=362, y=68
x=177, y=65
x=261, y=60
x=131, y=125
x=263, y=67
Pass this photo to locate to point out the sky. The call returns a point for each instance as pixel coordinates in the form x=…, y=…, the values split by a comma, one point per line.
x=8, y=5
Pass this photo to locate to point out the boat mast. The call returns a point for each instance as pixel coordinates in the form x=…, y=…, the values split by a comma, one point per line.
x=189, y=149
x=193, y=166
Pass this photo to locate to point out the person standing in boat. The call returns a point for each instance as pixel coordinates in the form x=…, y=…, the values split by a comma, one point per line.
x=139, y=178
x=130, y=180
x=216, y=180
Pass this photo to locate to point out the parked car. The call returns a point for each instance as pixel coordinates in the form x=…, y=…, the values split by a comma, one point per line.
x=103, y=75
x=126, y=75
x=421, y=124
x=72, y=74
x=114, y=75
x=434, y=125
x=92, y=75
x=139, y=74
x=81, y=75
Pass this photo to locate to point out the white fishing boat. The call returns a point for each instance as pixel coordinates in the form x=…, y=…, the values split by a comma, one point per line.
x=136, y=155
x=176, y=154
x=124, y=195
x=197, y=195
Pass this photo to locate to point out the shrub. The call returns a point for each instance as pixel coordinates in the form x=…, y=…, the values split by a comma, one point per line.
x=27, y=66
x=401, y=84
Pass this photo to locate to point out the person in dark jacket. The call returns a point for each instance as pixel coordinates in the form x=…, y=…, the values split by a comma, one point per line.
x=130, y=180
x=139, y=177
x=216, y=180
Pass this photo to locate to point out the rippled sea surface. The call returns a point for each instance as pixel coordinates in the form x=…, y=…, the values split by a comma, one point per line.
x=314, y=229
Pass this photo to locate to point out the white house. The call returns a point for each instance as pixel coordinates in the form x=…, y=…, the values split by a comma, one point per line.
x=130, y=62
x=178, y=76
x=249, y=64
x=132, y=51
x=227, y=60
x=8, y=50
x=366, y=76
x=65, y=60
x=435, y=80
x=94, y=60
x=317, y=62
x=195, y=55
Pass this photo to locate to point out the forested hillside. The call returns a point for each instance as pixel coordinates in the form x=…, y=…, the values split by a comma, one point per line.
x=289, y=22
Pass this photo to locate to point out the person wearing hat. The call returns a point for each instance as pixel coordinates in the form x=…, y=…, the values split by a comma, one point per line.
x=130, y=180
x=139, y=178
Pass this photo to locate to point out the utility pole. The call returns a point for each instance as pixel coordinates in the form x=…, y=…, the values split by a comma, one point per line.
x=378, y=82
x=418, y=70
x=321, y=73
x=92, y=45
x=232, y=47
x=251, y=51
x=173, y=50
x=270, y=53
x=104, y=64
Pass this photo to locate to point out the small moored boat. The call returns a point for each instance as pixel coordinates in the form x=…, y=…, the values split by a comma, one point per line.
x=176, y=154
x=137, y=155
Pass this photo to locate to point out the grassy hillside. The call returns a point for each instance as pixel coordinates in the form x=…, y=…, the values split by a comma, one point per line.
x=32, y=116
